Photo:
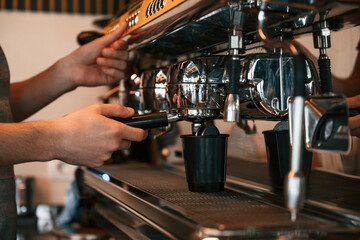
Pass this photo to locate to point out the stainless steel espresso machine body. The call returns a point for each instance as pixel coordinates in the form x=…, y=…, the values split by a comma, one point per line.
x=219, y=64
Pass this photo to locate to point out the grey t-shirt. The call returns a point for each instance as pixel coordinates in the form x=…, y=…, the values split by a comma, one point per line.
x=7, y=183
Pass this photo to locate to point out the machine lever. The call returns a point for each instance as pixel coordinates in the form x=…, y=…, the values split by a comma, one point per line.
x=145, y=121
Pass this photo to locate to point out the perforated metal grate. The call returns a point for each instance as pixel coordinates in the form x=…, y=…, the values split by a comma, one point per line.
x=224, y=210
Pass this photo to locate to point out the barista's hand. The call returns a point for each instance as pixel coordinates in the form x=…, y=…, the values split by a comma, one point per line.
x=354, y=122
x=88, y=137
x=100, y=62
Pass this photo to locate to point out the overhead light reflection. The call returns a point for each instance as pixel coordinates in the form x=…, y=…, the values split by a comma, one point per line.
x=133, y=76
x=106, y=177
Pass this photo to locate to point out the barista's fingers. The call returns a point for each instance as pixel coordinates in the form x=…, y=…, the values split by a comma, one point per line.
x=111, y=63
x=112, y=37
x=119, y=45
x=100, y=161
x=134, y=134
x=114, y=73
x=124, y=144
x=114, y=110
x=354, y=122
x=113, y=53
x=354, y=102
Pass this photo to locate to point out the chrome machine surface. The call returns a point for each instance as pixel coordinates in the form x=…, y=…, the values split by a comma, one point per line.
x=214, y=61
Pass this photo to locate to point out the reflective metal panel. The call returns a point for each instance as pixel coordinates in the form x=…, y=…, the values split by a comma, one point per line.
x=129, y=94
x=196, y=88
x=153, y=88
x=270, y=79
x=326, y=124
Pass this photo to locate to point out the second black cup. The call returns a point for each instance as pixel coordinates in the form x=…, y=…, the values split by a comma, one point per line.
x=205, y=162
x=278, y=152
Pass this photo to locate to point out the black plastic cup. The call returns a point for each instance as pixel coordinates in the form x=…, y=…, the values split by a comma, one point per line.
x=205, y=162
x=278, y=152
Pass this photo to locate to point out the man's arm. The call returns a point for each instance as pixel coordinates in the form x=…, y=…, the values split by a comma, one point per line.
x=29, y=96
x=100, y=62
x=84, y=137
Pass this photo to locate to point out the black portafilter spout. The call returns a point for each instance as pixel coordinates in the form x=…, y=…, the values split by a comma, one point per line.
x=150, y=120
x=322, y=41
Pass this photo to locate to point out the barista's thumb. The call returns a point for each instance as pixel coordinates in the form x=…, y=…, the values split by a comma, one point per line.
x=112, y=36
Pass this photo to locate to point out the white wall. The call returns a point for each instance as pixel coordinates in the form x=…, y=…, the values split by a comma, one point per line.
x=32, y=42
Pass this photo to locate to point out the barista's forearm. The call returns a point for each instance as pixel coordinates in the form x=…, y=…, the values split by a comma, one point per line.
x=31, y=95
x=24, y=142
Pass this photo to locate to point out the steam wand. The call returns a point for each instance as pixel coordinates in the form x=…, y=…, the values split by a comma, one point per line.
x=295, y=180
x=232, y=102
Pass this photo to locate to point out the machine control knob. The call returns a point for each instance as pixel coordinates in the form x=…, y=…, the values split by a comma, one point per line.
x=155, y=6
x=162, y=3
x=149, y=9
x=158, y=2
x=153, y=9
x=147, y=12
x=133, y=19
x=136, y=19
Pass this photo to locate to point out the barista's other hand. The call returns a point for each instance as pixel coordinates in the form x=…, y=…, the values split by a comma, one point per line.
x=99, y=62
x=354, y=122
x=88, y=137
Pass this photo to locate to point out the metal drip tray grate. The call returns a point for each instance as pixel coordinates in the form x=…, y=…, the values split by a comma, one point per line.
x=224, y=211
x=227, y=208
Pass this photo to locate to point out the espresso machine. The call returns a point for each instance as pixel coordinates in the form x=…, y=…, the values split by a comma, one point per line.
x=206, y=65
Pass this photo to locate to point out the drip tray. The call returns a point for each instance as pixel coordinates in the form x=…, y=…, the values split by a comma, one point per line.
x=161, y=198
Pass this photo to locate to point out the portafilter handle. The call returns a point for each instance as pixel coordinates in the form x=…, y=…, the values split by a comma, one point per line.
x=146, y=121
x=354, y=112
